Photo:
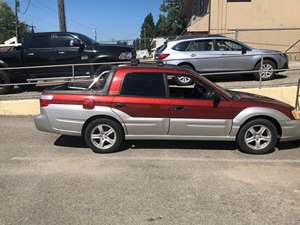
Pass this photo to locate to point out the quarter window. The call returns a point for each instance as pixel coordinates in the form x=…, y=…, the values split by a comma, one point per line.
x=181, y=46
x=144, y=84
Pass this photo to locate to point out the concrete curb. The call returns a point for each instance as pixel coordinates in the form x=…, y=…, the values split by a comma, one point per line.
x=31, y=106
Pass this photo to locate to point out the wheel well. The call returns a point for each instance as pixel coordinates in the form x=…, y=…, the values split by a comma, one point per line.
x=271, y=119
x=188, y=64
x=99, y=117
x=267, y=58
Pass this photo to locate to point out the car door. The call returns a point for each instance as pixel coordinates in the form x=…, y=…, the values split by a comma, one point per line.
x=203, y=55
x=195, y=113
x=235, y=57
x=69, y=50
x=38, y=51
x=142, y=104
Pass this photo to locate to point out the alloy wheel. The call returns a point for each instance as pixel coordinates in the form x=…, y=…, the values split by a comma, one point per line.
x=267, y=71
x=258, y=137
x=103, y=136
x=184, y=79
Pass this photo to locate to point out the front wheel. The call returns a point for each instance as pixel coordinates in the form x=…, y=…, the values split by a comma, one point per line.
x=258, y=136
x=104, y=136
x=266, y=72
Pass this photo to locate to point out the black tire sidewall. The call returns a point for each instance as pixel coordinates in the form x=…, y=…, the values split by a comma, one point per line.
x=257, y=67
x=119, y=133
x=4, y=79
x=243, y=146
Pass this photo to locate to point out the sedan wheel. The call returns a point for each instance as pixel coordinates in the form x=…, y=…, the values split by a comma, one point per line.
x=258, y=136
x=104, y=136
x=266, y=71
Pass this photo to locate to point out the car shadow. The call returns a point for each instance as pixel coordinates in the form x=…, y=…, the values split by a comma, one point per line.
x=78, y=142
x=238, y=77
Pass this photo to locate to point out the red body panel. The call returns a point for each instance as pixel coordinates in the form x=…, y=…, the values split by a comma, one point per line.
x=165, y=107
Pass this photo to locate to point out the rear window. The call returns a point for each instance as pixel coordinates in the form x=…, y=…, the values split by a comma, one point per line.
x=144, y=84
x=181, y=46
x=161, y=48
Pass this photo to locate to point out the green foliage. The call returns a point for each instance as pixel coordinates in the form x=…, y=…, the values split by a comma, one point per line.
x=7, y=23
x=161, y=27
x=173, y=24
x=147, y=32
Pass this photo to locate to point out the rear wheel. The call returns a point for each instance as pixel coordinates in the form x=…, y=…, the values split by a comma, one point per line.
x=267, y=72
x=258, y=136
x=4, y=79
x=104, y=136
x=101, y=69
x=184, y=80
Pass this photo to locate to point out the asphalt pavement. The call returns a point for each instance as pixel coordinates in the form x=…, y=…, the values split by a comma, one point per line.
x=53, y=179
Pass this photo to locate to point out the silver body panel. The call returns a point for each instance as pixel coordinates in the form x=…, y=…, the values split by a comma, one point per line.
x=69, y=120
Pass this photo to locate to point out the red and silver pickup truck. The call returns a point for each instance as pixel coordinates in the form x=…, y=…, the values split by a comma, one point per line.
x=142, y=102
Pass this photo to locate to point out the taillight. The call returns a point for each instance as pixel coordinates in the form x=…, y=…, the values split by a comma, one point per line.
x=163, y=56
x=46, y=100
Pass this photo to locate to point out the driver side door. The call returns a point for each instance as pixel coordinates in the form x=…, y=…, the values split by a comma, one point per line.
x=195, y=114
x=233, y=59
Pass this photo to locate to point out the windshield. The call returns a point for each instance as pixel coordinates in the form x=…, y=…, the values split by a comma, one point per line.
x=87, y=40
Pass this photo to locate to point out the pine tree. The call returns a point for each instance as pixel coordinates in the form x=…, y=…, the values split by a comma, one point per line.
x=147, y=32
x=161, y=27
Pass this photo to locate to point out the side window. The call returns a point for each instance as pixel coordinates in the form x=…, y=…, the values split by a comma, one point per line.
x=181, y=46
x=64, y=41
x=40, y=41
x=201, y=45
x=198, y=90
x=227, y=45
x=144, y=84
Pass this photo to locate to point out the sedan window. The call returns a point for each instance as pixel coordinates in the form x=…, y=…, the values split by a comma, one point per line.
x=197, y=90
x=227, y=45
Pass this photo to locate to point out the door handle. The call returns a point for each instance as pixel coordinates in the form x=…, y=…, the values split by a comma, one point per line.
x=61, y=53
x=193, y=55
x=179, y=108
x=30, y=54
x=120, y=105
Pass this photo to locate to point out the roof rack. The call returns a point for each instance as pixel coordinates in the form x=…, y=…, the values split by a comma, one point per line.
x=195, y=36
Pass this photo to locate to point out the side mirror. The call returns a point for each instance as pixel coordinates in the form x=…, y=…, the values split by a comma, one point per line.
x=244, y=51
x=216, y=98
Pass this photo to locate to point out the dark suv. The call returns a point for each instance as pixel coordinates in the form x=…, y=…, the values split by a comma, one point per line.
x=57, y=48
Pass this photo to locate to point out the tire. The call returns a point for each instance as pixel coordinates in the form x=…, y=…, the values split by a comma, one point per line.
x=269, y=73
x=4, y=79
x=27, y=87
x=103, y=143
x=184, y=80
x=262, y=137
x=101, y=69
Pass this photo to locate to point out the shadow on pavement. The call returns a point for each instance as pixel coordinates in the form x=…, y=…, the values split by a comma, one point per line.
x=238, y=77
x=78, y=142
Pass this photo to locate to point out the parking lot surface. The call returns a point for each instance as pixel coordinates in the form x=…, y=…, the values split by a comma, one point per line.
x=52, y=179
x=230, y=81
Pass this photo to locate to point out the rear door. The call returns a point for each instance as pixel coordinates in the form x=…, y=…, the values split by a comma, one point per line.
x=142, y=104
x=203, y=55
x=39, y=52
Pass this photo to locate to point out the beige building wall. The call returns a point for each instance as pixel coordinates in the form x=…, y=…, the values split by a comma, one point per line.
x=256, y=14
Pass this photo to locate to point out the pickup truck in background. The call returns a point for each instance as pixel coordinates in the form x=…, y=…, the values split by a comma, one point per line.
x=57, y=48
